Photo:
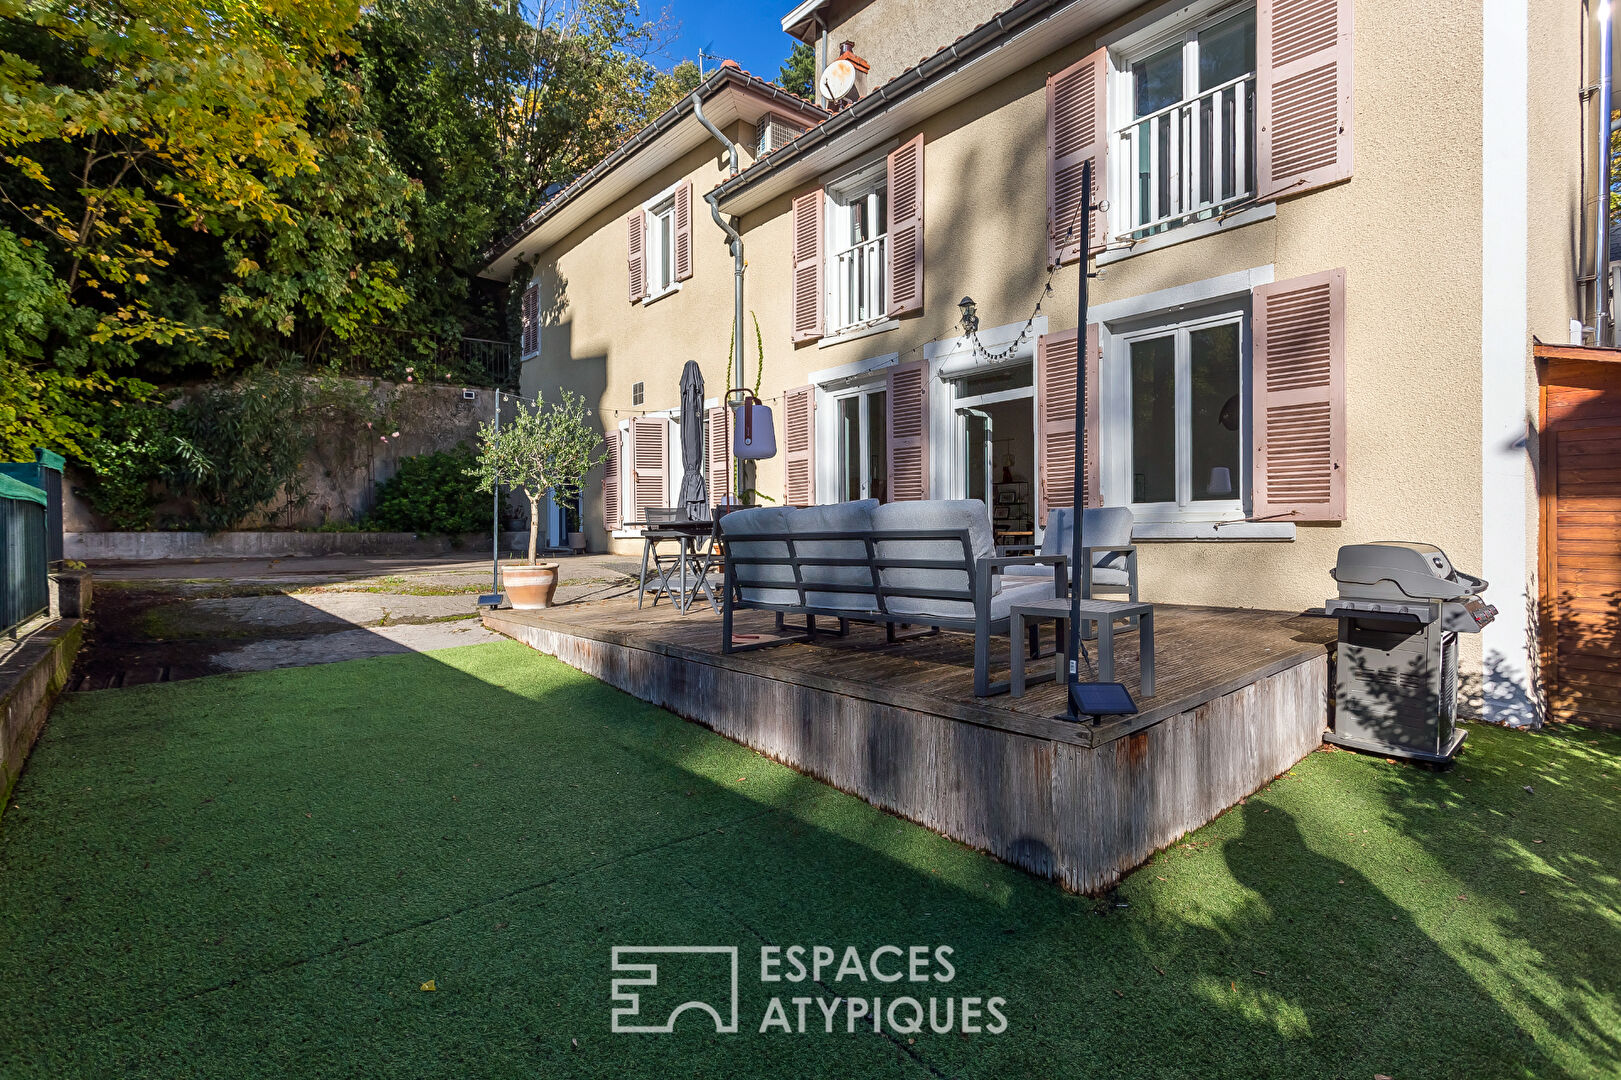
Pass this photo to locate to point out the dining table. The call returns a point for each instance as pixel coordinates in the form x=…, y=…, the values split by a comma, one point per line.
x=683, y=577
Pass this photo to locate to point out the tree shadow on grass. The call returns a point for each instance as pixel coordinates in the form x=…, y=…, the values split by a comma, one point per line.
x=249, y=875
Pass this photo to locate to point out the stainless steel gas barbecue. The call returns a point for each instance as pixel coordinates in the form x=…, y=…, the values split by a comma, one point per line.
x=1401, y=607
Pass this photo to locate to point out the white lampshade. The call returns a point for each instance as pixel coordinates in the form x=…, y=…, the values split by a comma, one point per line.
x=1221, y=481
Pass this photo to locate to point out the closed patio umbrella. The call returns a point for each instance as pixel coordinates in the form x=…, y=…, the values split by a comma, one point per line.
x=694, y=488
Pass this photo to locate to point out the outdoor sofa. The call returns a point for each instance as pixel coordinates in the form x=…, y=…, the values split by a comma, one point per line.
x=909, y=566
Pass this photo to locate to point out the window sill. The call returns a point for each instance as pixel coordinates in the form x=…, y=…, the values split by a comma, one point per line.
x=1182, y=234
x=1213, y=530
x=654, y=298
x=856, y=333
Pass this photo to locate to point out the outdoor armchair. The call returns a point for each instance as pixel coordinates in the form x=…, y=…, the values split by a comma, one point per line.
x=1109, y=559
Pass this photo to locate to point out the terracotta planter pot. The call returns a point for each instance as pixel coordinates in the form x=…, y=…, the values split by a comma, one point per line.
x=528, y=587
x=576, y=542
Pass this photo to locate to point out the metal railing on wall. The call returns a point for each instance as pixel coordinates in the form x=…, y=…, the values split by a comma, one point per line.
x=468, y=361
x=24, y=568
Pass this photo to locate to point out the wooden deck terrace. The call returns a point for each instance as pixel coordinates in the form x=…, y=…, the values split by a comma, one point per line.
x=1241, y=695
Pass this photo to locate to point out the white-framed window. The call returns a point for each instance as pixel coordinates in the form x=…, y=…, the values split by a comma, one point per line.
x=857, y=238
x=1177, y=417
x=1182, y=120
x=861, y=436
x=660, y=248
x=668, y=468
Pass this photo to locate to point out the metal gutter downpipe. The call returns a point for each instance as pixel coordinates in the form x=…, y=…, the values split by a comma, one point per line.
x=1603, y=315
x=731, y=233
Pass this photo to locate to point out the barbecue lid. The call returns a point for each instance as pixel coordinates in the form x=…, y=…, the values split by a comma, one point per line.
x=1420, y=571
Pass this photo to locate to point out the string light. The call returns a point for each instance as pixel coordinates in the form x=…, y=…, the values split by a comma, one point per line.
x=970, y=323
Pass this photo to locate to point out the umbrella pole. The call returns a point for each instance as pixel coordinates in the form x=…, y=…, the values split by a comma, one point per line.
x=1077, y=542
x=492, y=599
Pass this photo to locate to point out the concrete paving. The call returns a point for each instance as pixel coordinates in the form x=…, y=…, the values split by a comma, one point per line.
x=166, y=620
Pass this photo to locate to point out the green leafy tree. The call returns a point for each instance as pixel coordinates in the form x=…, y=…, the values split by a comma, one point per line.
x=188, y=189
x=541, y=449
x=122, y=123
x=671, y=87
x=798, y=73
x=485, y=104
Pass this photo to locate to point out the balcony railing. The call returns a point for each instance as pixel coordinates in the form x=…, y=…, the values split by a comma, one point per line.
x=858, y=285
x=1188, y=160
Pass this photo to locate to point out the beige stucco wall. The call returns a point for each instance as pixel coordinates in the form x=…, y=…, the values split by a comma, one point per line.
x=1559, y=225
x=595, y=342
x=1413, y=293
x=1559, y=234
x=1407, y=229
x=892, y=35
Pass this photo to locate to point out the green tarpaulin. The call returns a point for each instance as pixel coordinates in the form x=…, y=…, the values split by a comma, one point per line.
x=15, y=489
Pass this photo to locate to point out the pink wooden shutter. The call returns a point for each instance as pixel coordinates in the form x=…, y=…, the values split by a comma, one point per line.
x=650, y=464
x=807, y=260
x=610, y=483
x=683, y=231
x=718, y=443
x=905, y=271
x=1077, y=132
x=799, y=446
x=908, y=416
x=1303, y=95
x=636, y=240
x=531, y=320
x=1299, y=398
x=1055, y=404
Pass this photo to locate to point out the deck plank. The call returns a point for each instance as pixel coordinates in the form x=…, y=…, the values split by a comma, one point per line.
x=1201, y=654
x=1243, y=696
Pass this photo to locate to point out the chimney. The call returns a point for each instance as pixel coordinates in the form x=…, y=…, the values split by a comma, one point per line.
x=845, y=78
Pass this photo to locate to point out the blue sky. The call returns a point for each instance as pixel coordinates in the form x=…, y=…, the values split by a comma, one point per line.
x=748, y=31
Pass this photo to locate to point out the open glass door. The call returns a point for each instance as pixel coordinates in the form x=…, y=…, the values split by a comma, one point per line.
x=980, y=454
x=995, y=451
x=863, y=446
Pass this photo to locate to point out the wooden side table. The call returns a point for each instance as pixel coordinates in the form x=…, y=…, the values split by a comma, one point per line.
x=1103, y=614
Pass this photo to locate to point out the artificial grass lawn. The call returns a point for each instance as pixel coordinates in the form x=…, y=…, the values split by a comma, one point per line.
x=252, y=875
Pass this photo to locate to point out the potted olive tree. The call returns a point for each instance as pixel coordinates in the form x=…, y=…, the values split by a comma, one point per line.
x=539, y=449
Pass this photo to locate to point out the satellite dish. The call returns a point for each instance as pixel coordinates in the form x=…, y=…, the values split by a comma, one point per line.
x=838, y=80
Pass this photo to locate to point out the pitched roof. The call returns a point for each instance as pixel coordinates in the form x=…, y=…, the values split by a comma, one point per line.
x=594, y=188
x=800, y=22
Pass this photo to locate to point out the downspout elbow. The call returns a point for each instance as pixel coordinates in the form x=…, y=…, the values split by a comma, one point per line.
x=714, y=204
x=738, y=262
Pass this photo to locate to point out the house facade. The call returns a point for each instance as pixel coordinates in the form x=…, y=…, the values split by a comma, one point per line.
x=1325, y=236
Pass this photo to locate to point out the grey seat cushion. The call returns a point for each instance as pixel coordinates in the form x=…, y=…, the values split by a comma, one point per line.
x=929, y=516
x=1020, y=592
x=755, y=582
x=846, y=517
x=1102, y=526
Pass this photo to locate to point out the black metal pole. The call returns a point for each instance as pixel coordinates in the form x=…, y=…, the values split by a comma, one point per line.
x=495, y=512
x=1078, y=504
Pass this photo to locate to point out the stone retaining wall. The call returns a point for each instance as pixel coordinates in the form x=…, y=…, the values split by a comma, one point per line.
x=141, y=546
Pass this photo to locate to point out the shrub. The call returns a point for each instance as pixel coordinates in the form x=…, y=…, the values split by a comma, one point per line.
x=240, y=446
x=127, y=463
x=432, y=494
